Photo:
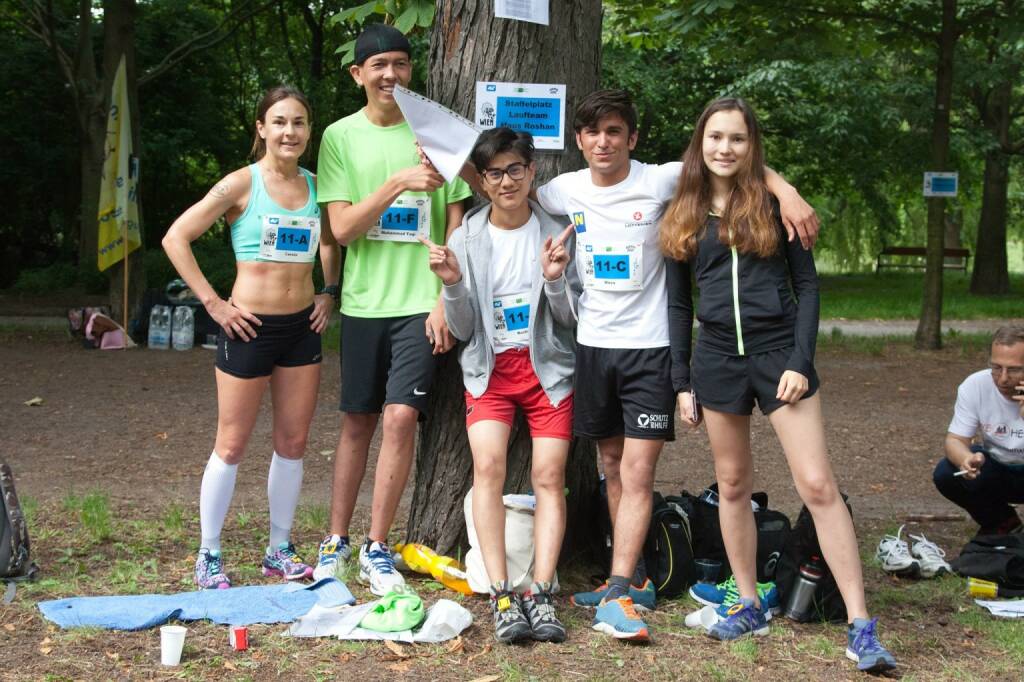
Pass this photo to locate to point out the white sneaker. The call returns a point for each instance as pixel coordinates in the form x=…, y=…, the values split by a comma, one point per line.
x=377, y=569
x=894, y=555
x=930, y=556
x=331, y=557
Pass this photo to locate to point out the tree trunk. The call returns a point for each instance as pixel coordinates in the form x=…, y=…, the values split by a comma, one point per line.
x=469, y=45
x=991, y=270
x=929, y=327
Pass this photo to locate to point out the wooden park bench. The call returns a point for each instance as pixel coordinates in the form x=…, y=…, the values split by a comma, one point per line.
x=896, y=257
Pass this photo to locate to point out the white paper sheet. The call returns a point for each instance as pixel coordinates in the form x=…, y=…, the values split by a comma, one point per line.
x=444, y=620
x=446, y=137
x=535, y=11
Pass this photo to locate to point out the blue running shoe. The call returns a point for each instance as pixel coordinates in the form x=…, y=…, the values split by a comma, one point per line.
x=725, y=594
x=864, y=648
x=741, y=619
x=619, y=619
x=643, y=597
x=334, y=552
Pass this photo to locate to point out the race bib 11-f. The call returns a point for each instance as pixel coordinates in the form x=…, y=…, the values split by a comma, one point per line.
x=404, y=220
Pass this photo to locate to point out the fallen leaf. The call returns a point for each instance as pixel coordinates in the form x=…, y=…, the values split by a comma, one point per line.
x=487, y=678
x=34, y=402
x=45, y=651
x=112, y=655
x=46, y=640
x=401, y=667
x=162, y=435
x=903, y=390
x=9, y=627
x=486, y=649
x=456, y=646
x=230, y=666
x=396, y=649
x=325, y=453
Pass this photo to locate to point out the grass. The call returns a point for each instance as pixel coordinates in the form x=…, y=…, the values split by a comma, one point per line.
x=93, y=511
x=897, y=295
x=968, y=345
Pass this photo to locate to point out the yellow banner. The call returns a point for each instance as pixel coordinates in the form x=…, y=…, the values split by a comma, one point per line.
x=119, y=186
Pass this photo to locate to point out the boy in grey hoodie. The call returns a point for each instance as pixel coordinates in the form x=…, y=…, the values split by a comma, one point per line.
x=510, y=298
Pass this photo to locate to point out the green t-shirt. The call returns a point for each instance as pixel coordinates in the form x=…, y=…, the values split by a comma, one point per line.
x=382, y=278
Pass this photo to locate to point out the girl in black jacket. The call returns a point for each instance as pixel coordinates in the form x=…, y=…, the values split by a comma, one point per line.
x=759, y=320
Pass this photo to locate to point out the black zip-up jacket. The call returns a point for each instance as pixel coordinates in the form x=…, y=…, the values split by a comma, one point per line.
x=748, y=304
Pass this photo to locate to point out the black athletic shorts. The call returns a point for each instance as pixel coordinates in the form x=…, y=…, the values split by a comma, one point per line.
x=281, y=341
x=731, y=383
x=622, y=391
x=385, y=361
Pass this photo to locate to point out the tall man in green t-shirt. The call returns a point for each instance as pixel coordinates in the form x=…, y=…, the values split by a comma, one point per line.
x=380, y=199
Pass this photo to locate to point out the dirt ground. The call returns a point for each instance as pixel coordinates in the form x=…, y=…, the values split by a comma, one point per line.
x=139, y=425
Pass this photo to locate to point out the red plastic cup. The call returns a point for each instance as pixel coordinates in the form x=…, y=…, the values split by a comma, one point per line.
x=238, y=636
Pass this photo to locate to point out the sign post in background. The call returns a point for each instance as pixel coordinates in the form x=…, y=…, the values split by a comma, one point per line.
x=535, y=108
x=941, y=184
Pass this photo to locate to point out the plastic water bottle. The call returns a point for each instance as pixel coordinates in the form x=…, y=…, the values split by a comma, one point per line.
x=184, y=334
x=160, y=327
x=447, y=571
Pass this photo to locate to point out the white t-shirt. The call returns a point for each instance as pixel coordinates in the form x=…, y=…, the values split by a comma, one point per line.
x=624, y=302
x=982, y=409
x=514, y=255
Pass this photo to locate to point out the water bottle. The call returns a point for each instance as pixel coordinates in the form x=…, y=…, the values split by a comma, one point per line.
x=801, y=599
x=447, y=571
x=160, y=327
x=184, y=333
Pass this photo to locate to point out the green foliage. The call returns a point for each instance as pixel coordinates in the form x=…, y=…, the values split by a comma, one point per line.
x=405, y=15
x=93, y=512
x=60, y=275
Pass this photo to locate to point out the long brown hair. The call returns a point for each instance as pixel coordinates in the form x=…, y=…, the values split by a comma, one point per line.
x=274, y=95
x=747, y=222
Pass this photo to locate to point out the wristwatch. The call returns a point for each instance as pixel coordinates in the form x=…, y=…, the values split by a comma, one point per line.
x=333, y=289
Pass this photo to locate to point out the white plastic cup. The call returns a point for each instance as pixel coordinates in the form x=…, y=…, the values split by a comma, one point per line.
x=705, y=618
x=172, y=639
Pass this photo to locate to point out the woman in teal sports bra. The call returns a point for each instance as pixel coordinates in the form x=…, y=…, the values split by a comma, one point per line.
x=270, y=325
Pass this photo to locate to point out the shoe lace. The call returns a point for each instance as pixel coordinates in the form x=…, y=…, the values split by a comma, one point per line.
x=540, y=607
x=381, y=561
x=866, y=640
x=732, y=593
x=928, y=549
x=627, y=607
x=287, y=552
x=894, y=546
x=214, y=566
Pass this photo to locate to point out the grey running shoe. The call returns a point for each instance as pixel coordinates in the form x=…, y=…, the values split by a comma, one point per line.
x=540, y=611
x=510, y=625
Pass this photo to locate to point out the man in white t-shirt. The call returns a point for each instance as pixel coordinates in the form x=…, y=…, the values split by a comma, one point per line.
x=986, y=477
x=623, y=387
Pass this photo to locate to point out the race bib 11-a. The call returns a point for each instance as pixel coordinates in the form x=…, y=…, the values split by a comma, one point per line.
x=289, y=239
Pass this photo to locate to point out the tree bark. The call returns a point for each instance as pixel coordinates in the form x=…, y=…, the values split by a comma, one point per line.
x=929, y=327
x=991, y=269
x=468, y=45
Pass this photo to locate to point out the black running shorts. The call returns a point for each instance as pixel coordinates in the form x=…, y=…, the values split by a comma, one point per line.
x=281, y=341
x=384, y=361
x=622, y=391
x=731, y=383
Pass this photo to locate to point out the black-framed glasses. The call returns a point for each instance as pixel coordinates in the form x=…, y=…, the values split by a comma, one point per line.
x=494, y=176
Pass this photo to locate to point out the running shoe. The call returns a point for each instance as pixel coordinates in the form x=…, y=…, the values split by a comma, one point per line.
x=510, y=623
x=377, y=569
x=643, y=596
x=726, y=594
x=894, y=555
x=740, y=620
x=333, y=553
x=619, y=619
x=863, y=647
x=284, y=562
x=931, y=557
x=539, y=608
x=210, y=573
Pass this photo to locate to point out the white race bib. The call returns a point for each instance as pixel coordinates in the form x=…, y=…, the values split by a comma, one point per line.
x=512, y=319
x=289, y=238
x=613, y=266
x=404, y=220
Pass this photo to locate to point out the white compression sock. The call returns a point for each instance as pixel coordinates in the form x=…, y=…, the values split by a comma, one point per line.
x=283, y=485
x=214, y=499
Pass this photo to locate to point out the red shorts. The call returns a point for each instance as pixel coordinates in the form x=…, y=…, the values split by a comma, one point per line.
x=513, y=382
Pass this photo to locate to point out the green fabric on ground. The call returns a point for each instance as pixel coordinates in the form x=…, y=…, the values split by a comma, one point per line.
x=395, y=612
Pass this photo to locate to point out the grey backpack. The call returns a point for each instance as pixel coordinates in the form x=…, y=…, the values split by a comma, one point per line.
x=15, y=563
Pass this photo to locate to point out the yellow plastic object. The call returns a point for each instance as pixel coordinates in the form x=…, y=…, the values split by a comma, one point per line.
x=447, y=571
x=982, y=588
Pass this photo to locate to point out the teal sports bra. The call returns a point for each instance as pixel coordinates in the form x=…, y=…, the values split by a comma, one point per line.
x=267, y=232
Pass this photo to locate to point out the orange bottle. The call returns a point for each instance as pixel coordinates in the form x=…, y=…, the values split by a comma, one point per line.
x=447, y=571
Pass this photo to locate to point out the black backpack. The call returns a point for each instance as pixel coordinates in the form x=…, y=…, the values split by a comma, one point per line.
x=998, y=558
x=801, y=545
x=668, y=550
x=15, y=563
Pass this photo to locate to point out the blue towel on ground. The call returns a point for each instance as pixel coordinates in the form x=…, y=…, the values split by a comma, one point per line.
x=234, y=606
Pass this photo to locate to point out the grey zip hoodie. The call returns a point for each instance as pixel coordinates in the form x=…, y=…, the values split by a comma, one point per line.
x=468, y=304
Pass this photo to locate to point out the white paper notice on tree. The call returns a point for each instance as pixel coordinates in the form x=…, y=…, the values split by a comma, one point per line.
x=446, y=137
x=535, y=11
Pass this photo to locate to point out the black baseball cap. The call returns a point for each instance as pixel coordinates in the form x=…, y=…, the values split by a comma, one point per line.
x=377, y=38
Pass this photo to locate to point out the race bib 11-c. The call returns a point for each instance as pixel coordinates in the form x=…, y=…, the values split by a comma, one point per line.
x=613, y=266
x=404, y=220
x=512, y=319
x=289, y=238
